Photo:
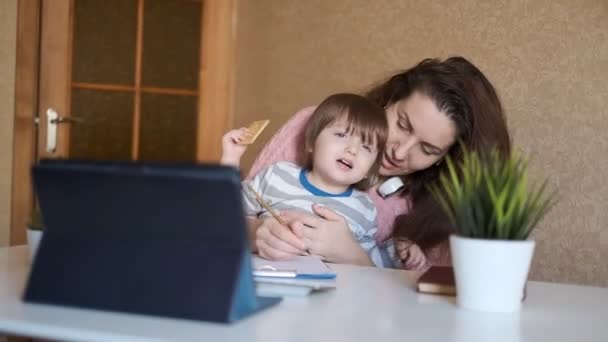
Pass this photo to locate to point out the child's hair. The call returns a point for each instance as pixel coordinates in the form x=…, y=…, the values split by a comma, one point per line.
x=364, y=117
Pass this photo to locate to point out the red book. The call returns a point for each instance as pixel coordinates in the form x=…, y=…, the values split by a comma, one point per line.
x=440, y=280
x=437, y=280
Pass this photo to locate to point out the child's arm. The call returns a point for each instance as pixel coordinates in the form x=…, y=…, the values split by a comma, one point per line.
x=251, y=207
x=381, y=254
x=232, y=150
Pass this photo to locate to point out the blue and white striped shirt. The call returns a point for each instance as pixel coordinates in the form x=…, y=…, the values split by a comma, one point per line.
x=284, y=186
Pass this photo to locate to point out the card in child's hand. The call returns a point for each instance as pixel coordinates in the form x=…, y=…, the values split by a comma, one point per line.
x=255, y=128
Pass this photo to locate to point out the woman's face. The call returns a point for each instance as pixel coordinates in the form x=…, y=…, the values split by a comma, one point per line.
x=419, y=135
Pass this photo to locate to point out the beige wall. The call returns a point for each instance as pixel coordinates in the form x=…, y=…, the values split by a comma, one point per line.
x=8, y=30
x=547, y=58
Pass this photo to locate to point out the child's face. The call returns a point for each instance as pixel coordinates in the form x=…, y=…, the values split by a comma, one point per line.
x=341, y=158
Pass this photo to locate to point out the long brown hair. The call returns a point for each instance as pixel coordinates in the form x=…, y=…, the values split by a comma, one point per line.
x=464, y=94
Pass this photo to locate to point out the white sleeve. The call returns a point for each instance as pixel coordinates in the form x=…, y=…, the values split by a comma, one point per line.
x=382, y=255
x=259, y=183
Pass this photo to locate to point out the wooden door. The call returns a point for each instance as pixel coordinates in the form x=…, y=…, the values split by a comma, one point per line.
x=129, y=80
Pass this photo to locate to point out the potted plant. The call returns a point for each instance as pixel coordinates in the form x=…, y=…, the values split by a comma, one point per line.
x=493, y=208
x=35, y=228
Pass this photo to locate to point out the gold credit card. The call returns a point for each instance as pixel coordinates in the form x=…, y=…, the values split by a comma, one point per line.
x=255, y=129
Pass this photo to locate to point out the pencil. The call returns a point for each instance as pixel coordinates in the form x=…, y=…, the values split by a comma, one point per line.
x=272, y=212
x=266, y=206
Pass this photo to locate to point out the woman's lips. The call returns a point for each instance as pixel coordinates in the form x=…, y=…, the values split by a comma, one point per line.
x=388, y=163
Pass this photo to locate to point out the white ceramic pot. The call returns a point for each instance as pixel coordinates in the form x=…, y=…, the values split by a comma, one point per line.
x=33, y=240
x=490, y=274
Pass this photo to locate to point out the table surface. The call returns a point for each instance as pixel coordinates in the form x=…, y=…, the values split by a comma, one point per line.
x=369, y=305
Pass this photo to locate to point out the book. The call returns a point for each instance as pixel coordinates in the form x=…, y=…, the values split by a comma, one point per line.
x=293, y=278
x=440, y=280
x=437, y=280
x=301, y=267
x=291, y=287
x=279, y=290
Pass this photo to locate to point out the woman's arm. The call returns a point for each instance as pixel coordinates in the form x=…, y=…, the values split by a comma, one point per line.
x=253, y=224
x=328, y=236
x=272, y=240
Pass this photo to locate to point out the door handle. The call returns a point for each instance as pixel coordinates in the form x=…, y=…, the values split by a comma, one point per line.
x=67, y=119
x=52, y=120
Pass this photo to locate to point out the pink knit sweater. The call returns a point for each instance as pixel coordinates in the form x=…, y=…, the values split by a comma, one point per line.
x=283, y=146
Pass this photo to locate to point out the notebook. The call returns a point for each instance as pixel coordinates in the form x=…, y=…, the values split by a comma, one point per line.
x=153, y=239
x=301, y=267
x=297, y=277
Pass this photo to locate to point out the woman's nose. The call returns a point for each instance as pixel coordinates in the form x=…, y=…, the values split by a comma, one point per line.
x=401, y=149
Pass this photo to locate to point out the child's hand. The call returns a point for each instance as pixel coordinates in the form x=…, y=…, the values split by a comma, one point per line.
x=412, y=257
x=232, y=150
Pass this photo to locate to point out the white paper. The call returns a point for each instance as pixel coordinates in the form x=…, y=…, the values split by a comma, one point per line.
x=302, y=265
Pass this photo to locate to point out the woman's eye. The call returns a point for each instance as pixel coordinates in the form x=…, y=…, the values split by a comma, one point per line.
x=368, y=148
x=340, y=134
x=403, y=125
x=427, y=152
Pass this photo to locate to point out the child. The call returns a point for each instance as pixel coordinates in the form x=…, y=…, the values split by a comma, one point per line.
x=343, y=143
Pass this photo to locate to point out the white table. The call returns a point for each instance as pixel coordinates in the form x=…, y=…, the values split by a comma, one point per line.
x=371, y=305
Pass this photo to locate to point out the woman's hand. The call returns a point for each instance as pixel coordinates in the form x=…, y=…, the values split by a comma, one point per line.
x=412, y=257
x=232, y=150
x=328, y=236
x=274, y=241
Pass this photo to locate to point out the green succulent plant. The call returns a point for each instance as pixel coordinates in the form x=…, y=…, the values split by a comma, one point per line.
x=489, y=196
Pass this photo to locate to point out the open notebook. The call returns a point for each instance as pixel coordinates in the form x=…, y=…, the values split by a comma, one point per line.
x=302, y=267
x=296, y=277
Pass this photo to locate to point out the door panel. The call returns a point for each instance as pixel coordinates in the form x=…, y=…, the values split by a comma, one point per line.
x=55, y=72
x=168, y=127
x=107, y=124
x=137, y=87
x=128, y=71
x=171, y=44
x=104, y=40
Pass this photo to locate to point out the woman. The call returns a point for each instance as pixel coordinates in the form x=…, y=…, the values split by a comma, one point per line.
x=430, y=108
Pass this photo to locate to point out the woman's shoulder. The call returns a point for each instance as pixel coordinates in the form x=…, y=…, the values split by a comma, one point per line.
x=388, y=209
x=284, y=144
x=297, y=122
x=305, y=112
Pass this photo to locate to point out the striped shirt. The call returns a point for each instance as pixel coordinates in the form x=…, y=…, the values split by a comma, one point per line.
x=284, y=186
